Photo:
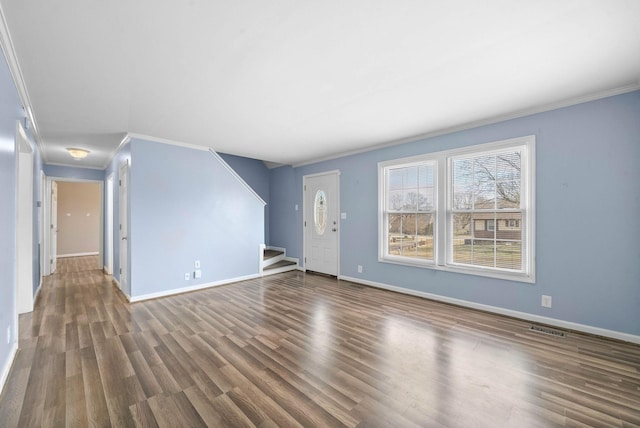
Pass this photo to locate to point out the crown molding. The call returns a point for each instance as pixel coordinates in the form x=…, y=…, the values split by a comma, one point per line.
x=14, y=67
x=483, y=122
x=168, y=141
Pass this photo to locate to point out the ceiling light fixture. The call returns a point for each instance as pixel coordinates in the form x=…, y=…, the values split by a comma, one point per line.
x=78, y=154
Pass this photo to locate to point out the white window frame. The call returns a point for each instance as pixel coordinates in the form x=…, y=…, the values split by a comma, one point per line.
x=383, y=252
x=443, y=230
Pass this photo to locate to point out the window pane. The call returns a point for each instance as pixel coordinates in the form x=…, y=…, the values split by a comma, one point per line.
x=395, y=200
x=425, y=176
x=508, y=194
x=395, y=227
x=508, y=166
x=509, y=226
x=412, y=176
x=424, y=238
x=425, y=199
x=410, y=200
x=463, y=184
x=483, y=226
x=408, y=235
x=509, y=255
x=396, y=178
x=462, y=251
x=320, y=212
x=462, y=226
x=483, y=253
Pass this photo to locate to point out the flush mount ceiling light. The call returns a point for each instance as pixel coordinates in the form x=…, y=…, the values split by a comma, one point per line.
x=78, y=154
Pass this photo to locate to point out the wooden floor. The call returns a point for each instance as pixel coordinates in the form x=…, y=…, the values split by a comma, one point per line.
x=302, y=350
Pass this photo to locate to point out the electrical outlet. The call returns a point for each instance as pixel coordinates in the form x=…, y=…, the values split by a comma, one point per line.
x=197, y=274
x=546, y=301
x=359, y=268
x=196, y=264
x=187, y=276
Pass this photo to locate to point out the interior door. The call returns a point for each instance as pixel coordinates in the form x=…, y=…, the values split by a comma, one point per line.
x=124, y=226
x=321, y=222
x=53, y=249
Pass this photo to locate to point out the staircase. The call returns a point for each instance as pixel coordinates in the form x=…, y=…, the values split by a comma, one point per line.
x=274, y=260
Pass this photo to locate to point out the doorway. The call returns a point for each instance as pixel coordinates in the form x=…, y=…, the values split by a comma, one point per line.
x=124, y=227
x=74, y=210
x=321, y=222
x=24, y=223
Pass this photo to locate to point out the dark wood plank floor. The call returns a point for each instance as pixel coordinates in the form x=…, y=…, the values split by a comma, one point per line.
x=302, y=350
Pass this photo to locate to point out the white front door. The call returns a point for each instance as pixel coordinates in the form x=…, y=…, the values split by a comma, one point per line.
x=123, y=227
x=53, y=249
x=321, y=222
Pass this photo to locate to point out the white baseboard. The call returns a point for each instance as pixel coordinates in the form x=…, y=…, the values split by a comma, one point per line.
x=626, y=337
x=62, y=256
x=191, y=288
x=7, y=368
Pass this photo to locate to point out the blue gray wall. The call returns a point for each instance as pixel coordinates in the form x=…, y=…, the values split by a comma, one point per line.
x=256, y=174
x=75, y=173
x=10, y=111
x=588, y=201
x=184, y=205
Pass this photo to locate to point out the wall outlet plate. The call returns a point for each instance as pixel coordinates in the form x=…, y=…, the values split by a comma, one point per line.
x=359, y=268
x=187, y=276
x=546, y=301
x=196, y=264
x=197, y=274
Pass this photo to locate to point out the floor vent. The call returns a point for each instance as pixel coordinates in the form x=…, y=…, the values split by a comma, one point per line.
x=547, y=330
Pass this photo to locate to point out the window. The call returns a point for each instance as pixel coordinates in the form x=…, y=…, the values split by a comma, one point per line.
x=467, y=210
x=408, y=210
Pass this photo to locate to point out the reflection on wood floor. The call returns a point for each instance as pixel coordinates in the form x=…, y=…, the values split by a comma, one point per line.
x=303, y=350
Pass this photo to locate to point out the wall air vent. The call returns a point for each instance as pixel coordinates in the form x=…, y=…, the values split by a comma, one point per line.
x=547, y=330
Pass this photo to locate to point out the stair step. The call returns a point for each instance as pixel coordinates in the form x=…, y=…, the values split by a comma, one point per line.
x=281, y=263
x=269, y=254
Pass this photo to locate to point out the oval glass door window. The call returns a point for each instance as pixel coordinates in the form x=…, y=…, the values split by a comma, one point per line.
x=320, y=212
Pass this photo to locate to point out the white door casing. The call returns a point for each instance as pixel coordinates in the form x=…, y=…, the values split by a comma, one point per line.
x=53, y=240
x=322, y=222
x=24, y=223
x=109, y=231
x=124, y=225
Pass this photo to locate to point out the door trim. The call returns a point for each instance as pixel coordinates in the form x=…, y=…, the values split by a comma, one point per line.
x=24, y=222
x=108, y=265
x=335, y=172
x=123, y=214
x=44, y=265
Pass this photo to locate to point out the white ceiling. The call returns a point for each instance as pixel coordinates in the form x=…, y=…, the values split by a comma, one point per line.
x=292, y=81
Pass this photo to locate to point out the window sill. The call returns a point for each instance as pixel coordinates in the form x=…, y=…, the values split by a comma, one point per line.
x=497, y=274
